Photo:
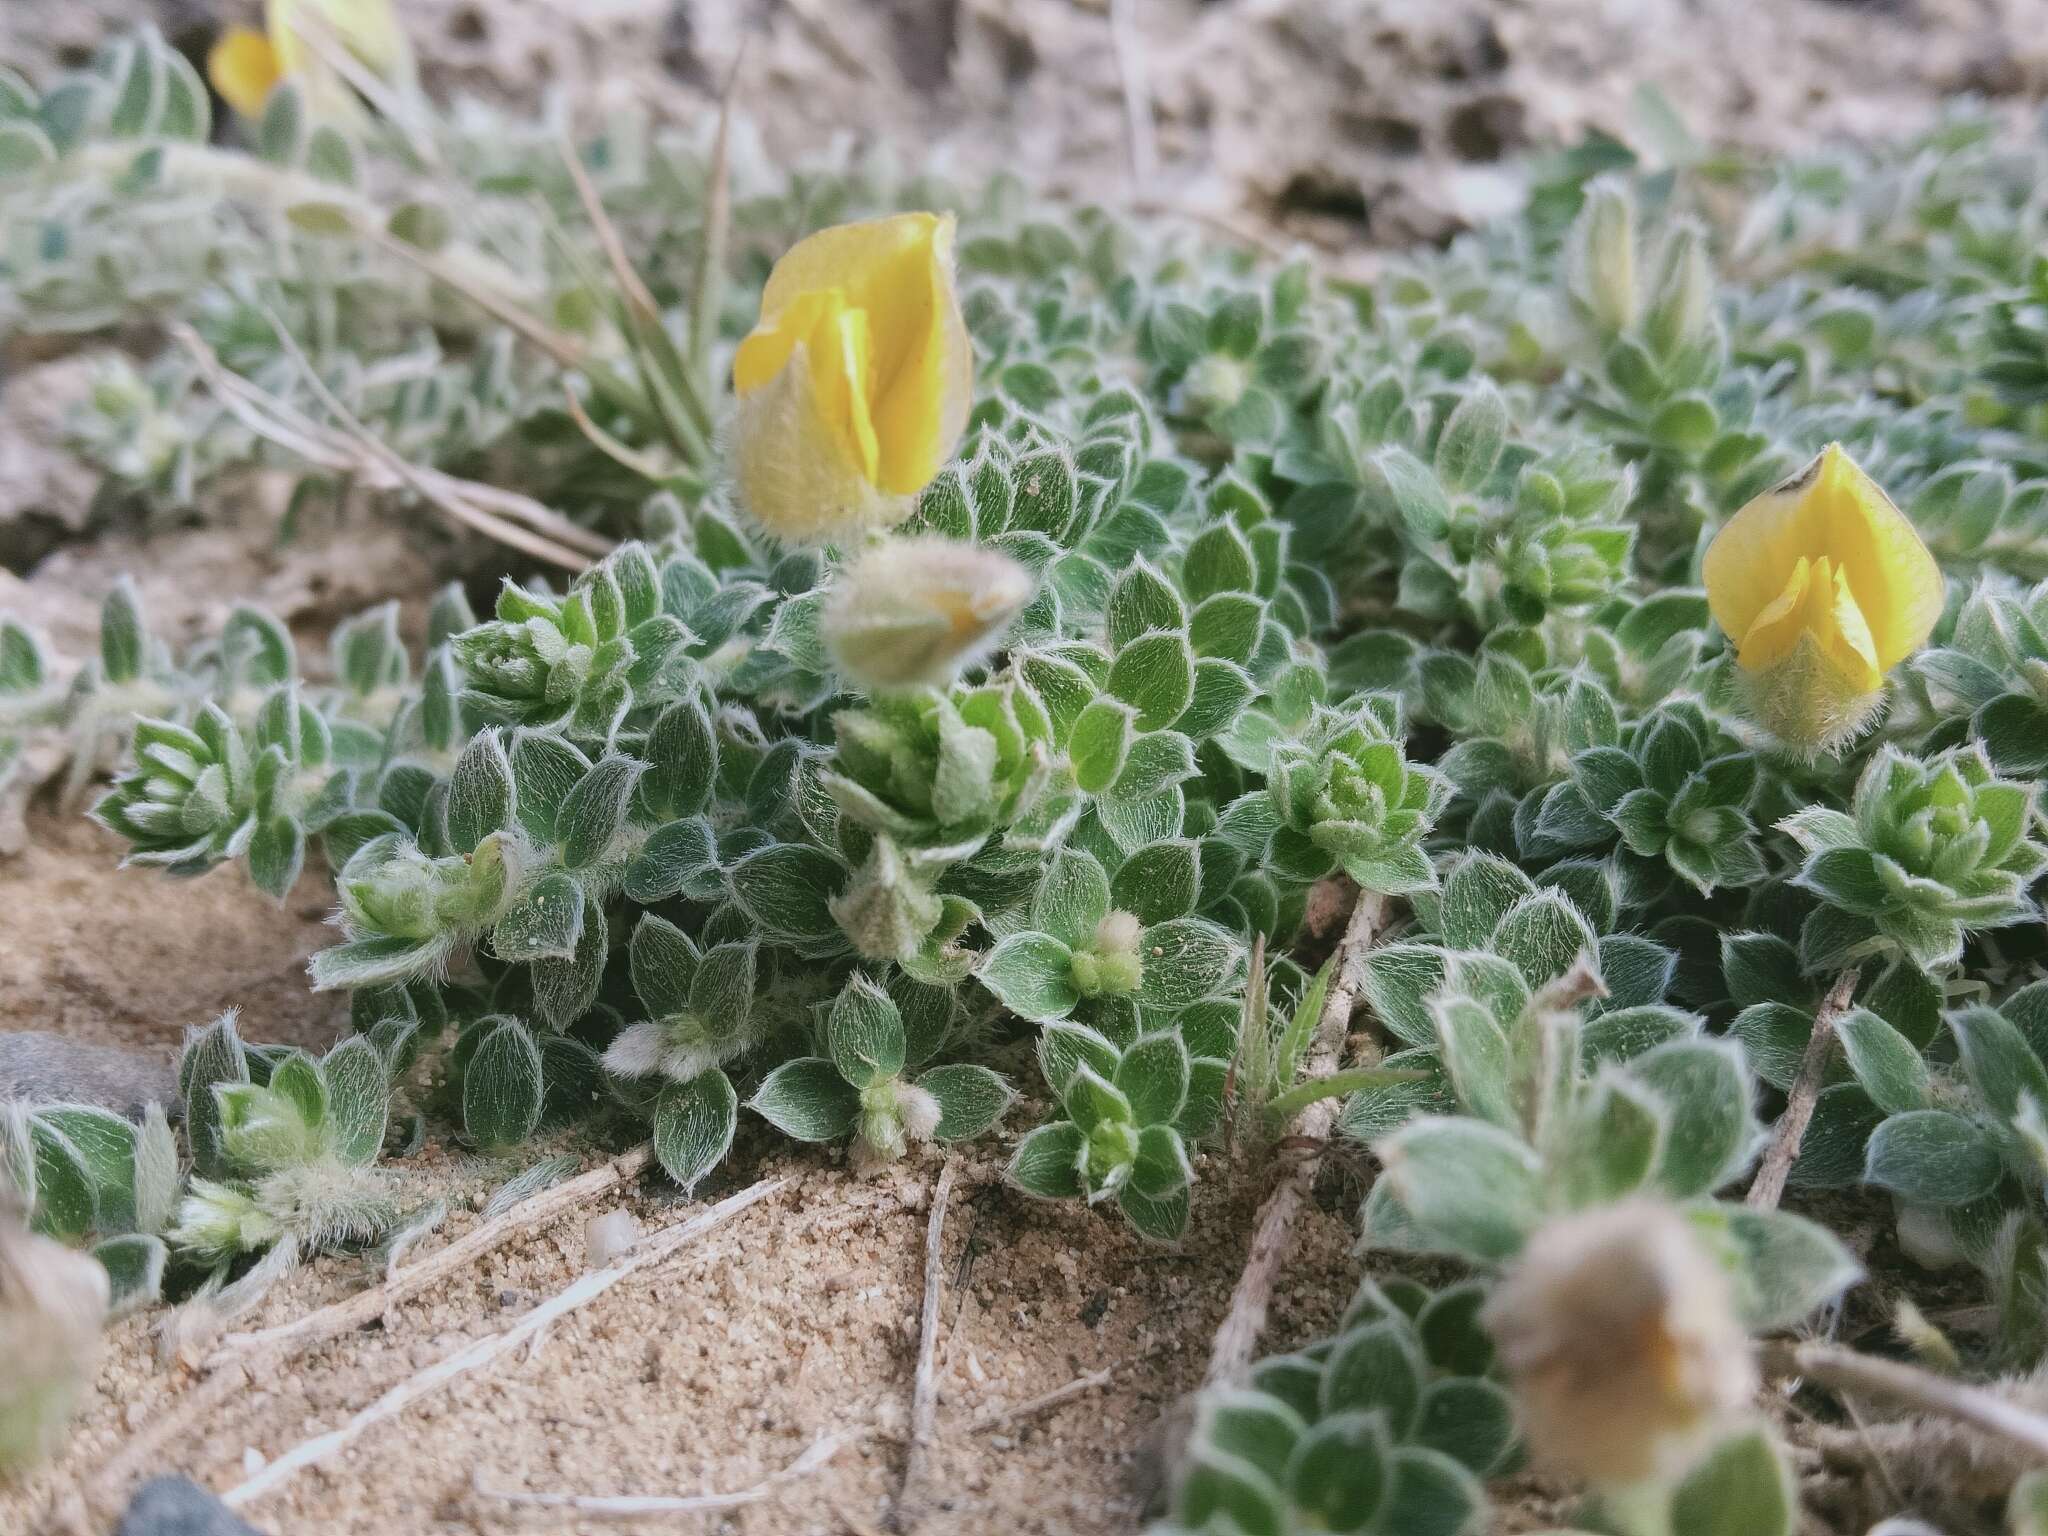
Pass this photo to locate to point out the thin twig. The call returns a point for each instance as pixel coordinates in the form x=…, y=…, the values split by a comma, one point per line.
x=1128, y=48
x=924, y=1392
x=279, y=421
x=633, y=1506
x=1067, y=1391
x=430, y=486
x=367, y=1306
x=708, y=298
x=484, y=1351
x=1273, y=1234
x=1911, y=1386
x=1769, y=1186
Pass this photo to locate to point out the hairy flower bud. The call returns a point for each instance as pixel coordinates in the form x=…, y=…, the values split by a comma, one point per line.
x=52, y=1302
x=1604, y=254
x=1618, y=1330
x=910, y=613
x=1823, y=586
x=855, y=385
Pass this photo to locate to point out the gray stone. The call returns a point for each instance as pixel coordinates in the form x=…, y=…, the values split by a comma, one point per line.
x=44, y=1068
x=177, y=1506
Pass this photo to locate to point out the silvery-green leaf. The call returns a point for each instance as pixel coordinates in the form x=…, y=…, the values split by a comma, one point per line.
x=1072, y=898
x=1338, y=1473
x=501, y=1086
x=134, y=1263
x=1884, y=1062
x=1742, y=1488
x=1712, y=1130
x=971, y=1099
x=808, y=1100
x=1932, y=1157
x=545, y=923
x=865, y=1033
x=359, y=1099
x=1031, y=974
x=1471, y=1186
x=694, y=1125
x=1788, y=1267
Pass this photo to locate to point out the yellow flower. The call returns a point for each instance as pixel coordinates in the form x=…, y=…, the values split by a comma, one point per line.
x=854, y=387
x=246, y=65
x=244, y=68
x=1824, y=587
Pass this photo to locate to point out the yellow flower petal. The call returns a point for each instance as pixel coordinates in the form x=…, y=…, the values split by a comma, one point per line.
x=1895, y=579
x=244, y=68
x=368, y=29
x=868, y=313
x=1883, y=592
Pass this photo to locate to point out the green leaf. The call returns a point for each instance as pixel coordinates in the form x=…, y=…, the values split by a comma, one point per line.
x=1047, y=1162
x=1616, y=1145
x=1337, y=1477
x=212, y=1057
x=359, y=1099
x=1159, y=882
x=135, y=1264
x=1155, y=675
x=1471, y=1186
x=1225, y=1493
x=1218, y=561
x=1161, y=1168
x=1153, y=1075
x=501, y=1086
x=1432, y=1495
x=1788, y=1266
x=1072, y=898
x=2000, y=1063
x=124, y=645
x=1377, y=1368
x=1031, y=974
x=594, y=812
x=1743, y=1488
x=1478, y=892
x=1934, y=1157
x=1884, y=1062
x=682, y=762
x=808, y=1100
x=480, y=792
x=1156, y=1218
x=545, y=923
x=971, y=1099
x=865, y=1033
x=1470, y=1421
x=1099, y=743
x=787, y=889
x=1711, y=1126
x=1471, y=440
x=1542, y=934
x=1186, y=961
x=1474, y=1050
x=694, y=1124
x=564, y=989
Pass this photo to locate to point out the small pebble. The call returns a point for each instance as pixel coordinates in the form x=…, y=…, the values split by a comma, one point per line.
x=609, y=1237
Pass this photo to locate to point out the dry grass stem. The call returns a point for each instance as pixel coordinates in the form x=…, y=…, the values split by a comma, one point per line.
x=1769, y=1186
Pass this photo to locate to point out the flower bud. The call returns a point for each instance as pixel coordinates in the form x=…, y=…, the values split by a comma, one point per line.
x=1604, y=254
x=910, y=613
x=886, y=911
x=1681, y=306
x=52, y=1302
x=1824, y=587
x=1618, y=1330
x=854, y=387
x=1110, y=966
